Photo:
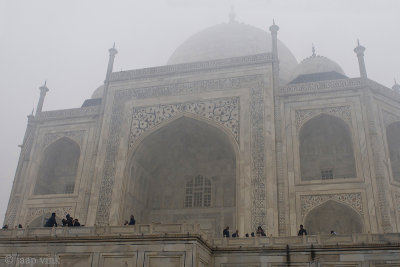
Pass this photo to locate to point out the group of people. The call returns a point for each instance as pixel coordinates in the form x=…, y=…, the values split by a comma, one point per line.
x=68, y=221
x=132, y=221
x=260, y=232
x=5, y=227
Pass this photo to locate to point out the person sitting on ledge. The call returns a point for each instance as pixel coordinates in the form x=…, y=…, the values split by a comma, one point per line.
x=132, y=221
x=70, y=220
x=252, y=234
x=236, y=234
x=5, y=227
x=260, y=231
x=333, y=232
x=76, y=222
x=20, y=226
x=51, y=221
x=126, y=222
x=302, y=231
x=225, y=233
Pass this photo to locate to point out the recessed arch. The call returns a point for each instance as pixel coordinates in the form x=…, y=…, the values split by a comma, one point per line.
x=58, y=168
x=332, y=215
x=40, y=220
x=162, y=163
x=393, y=141
x=326, y=149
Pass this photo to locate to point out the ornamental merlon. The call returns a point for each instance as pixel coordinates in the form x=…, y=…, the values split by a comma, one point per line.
x=191, y=67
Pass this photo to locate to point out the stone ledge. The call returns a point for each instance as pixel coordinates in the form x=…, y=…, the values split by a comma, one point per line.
x=190, y=67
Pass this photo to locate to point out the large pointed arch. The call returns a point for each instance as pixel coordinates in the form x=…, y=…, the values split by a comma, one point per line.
x=58, y=168
x=326, y=149
x=393, y=141
x=332, y=215
x=165, y=160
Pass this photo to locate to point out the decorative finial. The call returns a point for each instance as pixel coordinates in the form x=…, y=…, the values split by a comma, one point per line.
x=114, y=45
x=396, y=86
x=313, y=50
x=273, y=21
x=232, y=15
x=358, y=42
x=45, y=82
x=32, y=111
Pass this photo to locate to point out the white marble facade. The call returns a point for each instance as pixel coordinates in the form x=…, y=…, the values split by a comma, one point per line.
x=257, y=118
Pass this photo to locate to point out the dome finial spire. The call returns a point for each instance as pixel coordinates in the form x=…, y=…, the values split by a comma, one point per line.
x=396, y=86
x=313, y=50
x=232, y=14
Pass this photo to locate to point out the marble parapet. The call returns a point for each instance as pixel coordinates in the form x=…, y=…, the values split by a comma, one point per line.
x=191, y=67
x=68, y=113
x=143, y=231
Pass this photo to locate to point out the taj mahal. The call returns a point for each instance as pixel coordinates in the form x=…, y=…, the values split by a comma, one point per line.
x=232, y=131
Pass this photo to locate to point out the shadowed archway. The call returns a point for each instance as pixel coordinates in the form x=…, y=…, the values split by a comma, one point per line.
x=58, y=168
x=326, y=149
x=334, y=216
x=183, y=172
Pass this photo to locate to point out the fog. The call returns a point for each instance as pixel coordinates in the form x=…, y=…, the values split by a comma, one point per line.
x=66, y=43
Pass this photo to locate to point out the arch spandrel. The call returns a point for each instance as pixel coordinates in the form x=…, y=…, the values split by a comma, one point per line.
x=164, y=159
x=224, y=112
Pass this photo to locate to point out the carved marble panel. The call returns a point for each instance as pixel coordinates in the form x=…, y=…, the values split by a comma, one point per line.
x=224, y=111
x=309, y=202
x=322, y=85
x=173, y=89
x=258, y=183
x=74, y=135
x=389, y=118
x=303, y=115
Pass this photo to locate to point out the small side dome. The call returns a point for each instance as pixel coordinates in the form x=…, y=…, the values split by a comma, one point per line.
x=98, y=93
x=317, y=68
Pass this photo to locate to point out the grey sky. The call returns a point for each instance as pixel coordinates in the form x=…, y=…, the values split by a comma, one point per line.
x=66, y=43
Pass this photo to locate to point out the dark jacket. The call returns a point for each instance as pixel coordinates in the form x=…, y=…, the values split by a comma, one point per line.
x=51, y=222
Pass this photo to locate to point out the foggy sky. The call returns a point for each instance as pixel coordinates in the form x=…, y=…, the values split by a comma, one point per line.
x=66, y=43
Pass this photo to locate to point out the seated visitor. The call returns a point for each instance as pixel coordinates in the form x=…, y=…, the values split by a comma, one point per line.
x=260, y=231
x=51, y=221
x=236, y=234
x=76, y=222
x=302, y=231
x=132, y=221
x=225, y=233
x=70, y=220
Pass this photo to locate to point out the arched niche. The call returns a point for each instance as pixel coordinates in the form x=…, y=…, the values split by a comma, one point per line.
x=186, y=154
x=335, y=216
x=393, y=140
x=58, y=168
x=42, y=219
x=326, y=149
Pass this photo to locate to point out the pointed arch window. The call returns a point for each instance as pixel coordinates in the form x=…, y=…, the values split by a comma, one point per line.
x=326, y=149
x=58, y=168
x=198, y=192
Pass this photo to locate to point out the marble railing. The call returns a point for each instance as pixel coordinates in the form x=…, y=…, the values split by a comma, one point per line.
x=193, y=230
x=112, y=231
x=325, y=240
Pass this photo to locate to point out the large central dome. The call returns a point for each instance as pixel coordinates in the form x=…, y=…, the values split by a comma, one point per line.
x=232, y=39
